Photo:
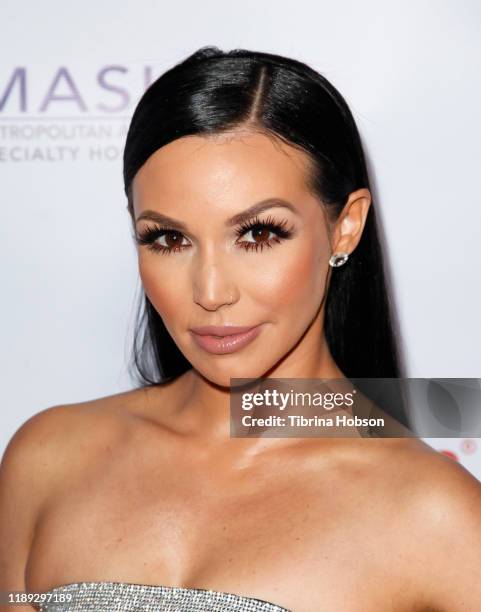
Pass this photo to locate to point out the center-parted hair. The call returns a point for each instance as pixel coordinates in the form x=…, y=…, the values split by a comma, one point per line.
x=213, y=91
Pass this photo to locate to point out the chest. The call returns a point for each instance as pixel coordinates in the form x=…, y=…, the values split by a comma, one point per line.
x=292, y=539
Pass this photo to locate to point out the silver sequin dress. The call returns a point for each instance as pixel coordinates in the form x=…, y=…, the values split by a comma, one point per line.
x=125, y=597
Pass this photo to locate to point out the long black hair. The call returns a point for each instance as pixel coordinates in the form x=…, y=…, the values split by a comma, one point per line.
x=212, y=91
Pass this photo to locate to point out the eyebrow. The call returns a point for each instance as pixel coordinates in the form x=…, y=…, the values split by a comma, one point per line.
x=237, y=219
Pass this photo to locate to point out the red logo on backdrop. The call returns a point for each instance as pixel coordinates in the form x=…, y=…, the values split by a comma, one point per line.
x=469, y=446
x=449, y=454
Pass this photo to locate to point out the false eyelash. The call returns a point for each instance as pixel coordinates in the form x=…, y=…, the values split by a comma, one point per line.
x=149, y=235
x=270, y=223
x=278, y=227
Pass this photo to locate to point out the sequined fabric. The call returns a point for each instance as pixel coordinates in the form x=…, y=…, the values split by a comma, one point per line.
x=124, y=597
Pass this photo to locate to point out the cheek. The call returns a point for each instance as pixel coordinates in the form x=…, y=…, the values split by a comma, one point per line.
x=297, y=281
x=160, y=285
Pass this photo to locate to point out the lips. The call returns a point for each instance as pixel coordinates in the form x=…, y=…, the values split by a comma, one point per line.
x=220, y=330
x=220, y=340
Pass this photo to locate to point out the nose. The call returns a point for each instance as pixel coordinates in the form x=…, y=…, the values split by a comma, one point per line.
x=213, y=284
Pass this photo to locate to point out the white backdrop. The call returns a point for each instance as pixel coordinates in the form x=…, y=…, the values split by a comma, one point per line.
x=70, y=79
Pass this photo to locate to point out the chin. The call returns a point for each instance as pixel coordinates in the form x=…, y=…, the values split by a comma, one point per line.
x=220, y=374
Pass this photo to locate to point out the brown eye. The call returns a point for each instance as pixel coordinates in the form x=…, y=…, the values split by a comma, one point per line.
x=172, y=239
x=161, y=240
x=260, y=233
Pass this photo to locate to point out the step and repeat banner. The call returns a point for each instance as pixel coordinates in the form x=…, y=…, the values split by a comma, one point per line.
x=69, y=82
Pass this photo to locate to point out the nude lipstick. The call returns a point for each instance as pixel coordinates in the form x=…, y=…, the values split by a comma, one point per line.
x=221, y=340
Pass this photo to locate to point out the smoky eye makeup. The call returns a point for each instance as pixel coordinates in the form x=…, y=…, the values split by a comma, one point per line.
x=165, y=240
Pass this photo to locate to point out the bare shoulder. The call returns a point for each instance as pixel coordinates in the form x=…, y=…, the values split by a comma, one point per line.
x=439, y=503
x=59, y=423
x=434, y=480
x=431, y=483
x=30, y=452
x=47, y=451
x=61, y=439
x=23, y=478
x=51, y=440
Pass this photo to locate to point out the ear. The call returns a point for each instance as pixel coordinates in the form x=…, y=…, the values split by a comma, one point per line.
x=350, y=223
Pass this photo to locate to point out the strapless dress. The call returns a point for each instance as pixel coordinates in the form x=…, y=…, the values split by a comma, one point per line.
x=128, y=597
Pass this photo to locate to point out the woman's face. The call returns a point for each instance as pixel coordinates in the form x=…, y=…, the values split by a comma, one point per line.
x=218, y=272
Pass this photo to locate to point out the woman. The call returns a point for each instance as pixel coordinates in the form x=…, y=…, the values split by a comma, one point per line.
x=247, y=187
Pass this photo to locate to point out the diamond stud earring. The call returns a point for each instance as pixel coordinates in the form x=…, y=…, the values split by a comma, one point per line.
x=338, y=259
